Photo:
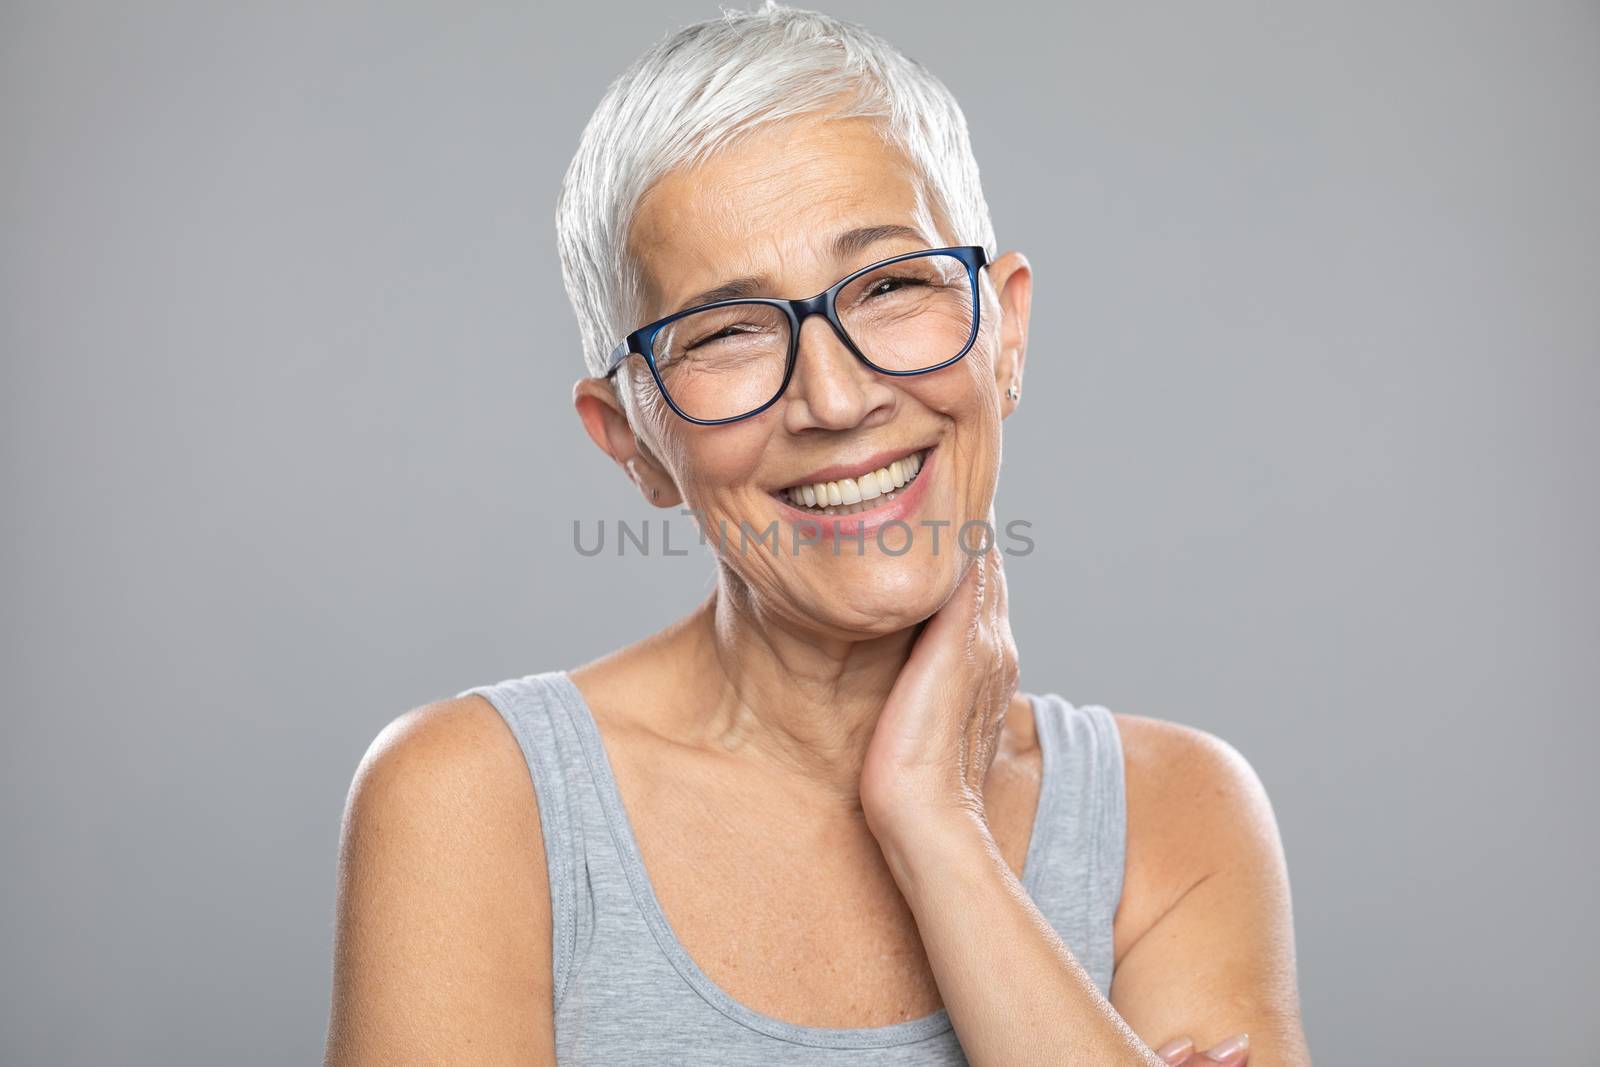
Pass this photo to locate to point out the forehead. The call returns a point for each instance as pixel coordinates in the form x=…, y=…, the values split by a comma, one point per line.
x=771, y=205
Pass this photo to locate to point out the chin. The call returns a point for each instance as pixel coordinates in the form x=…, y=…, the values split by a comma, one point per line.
x=883, y=594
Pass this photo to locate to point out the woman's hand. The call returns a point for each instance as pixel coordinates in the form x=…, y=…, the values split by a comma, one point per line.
x=1180, y=1052
x=941, y=725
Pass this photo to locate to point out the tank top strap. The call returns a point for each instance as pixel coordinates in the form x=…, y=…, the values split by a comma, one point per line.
x=535, y=708
x=1079, y=881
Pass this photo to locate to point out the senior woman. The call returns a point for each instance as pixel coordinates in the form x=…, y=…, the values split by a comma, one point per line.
x=815, y=820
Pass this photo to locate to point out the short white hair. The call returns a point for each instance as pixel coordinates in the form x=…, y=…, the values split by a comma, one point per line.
x=705, y=86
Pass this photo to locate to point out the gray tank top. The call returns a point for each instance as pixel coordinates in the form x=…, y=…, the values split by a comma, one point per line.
x=626, y=992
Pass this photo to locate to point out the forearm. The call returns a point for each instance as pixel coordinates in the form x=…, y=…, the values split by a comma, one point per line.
x=1015, y=994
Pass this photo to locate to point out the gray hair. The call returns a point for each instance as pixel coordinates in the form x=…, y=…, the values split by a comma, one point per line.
x=704, y=87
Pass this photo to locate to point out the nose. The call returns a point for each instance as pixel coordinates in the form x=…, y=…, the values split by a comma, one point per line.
x=831, y=388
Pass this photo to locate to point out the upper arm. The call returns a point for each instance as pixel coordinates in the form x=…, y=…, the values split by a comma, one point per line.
x=442, y=935
x=1205, y=934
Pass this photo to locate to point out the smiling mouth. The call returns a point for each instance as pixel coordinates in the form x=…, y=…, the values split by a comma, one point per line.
x=847, y=496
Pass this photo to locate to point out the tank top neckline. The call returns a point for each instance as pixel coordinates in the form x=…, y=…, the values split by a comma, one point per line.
x=900, y=1033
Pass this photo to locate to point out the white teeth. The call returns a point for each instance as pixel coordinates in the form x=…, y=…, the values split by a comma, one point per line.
x=853, y=494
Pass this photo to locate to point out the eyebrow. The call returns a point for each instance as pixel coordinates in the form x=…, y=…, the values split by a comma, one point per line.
x=844, y=245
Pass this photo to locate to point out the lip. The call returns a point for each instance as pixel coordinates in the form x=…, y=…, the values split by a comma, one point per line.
x=862, y=523
x=852, y=470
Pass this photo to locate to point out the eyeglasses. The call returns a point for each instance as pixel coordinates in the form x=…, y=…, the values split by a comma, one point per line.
x=731, y=359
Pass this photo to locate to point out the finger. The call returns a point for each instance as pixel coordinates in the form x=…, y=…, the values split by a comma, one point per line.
x=991, y=558
x=988, y=591
x=935, y=670
x=1232, y=1052
x=965, y=636
x=1177, y=1050
x=944, y=634
x=999, y=613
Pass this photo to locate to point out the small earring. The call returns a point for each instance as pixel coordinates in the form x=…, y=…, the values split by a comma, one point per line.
x=655, y=493
x=1013, y=392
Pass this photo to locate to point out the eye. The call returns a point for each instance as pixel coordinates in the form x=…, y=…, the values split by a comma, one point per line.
x=878, y=287
x=725, y=332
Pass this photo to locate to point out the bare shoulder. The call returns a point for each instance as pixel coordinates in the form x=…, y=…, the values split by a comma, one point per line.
x=1204, y=934
x=1194, y=804
x=442, y=938
x=443, y=761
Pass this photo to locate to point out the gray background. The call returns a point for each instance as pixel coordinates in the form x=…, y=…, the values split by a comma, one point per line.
x=1305, y=440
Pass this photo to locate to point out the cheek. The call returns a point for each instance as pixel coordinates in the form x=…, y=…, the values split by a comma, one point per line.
x=963, y=392
x=717, y=465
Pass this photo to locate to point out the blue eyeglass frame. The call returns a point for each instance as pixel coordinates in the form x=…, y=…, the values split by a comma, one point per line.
x=641, y=342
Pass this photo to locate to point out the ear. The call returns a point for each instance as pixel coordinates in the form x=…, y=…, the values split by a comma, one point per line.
x=1013, y=280
x=603, y=417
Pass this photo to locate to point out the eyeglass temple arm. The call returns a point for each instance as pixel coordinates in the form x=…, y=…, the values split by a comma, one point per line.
x=618, y=354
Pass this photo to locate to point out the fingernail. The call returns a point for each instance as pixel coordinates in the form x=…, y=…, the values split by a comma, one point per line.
x=1172, y=1048
x=1230, y=1048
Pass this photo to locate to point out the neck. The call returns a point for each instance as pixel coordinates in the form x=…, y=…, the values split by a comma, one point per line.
x=807, y=702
